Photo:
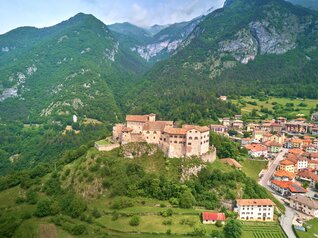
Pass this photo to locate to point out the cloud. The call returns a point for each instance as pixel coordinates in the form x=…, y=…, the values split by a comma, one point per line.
x=39, y=13
x=140, y=15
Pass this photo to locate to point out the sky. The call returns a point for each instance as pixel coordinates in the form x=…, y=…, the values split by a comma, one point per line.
x=42, y=13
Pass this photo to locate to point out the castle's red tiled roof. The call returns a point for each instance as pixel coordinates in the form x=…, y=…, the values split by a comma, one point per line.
x=137, y=118
x=198, y=128
x=157, y=125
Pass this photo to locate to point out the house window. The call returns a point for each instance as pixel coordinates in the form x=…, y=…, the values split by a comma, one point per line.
x=189, y=143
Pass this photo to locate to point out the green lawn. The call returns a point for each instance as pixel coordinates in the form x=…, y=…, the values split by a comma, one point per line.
x=252, y=168
x=103, y=142
x=268, y=104
x=154, y=223
x=312, y=229
x=262, y=230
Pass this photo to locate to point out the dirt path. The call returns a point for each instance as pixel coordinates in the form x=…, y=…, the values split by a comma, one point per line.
x=47, y=231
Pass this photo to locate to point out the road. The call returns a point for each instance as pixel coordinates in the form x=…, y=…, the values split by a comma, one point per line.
x=286, y=220
x=265, y=180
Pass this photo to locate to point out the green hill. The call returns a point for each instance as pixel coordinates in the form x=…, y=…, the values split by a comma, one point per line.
x=97, y=194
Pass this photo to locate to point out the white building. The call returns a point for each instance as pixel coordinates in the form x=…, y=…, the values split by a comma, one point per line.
x=304, y=204
x=74, y=118
x=302, y=163
x=255, y=209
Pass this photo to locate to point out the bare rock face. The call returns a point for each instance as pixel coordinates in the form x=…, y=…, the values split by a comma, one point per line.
x=271, y=41
x=275, y=33
x=243, y=48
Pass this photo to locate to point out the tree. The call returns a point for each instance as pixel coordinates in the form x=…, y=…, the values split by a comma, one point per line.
x=233, y=229
x=134, y=221
x=316, y=186
x=43, y=208
x=305, y=184
x=186, y=200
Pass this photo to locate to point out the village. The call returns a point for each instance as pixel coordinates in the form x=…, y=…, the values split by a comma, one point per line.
x=290, y=147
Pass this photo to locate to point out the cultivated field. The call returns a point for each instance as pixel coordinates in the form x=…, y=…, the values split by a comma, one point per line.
x=262, y=230
x=278, y=105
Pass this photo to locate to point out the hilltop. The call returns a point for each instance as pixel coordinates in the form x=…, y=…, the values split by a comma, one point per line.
x=95, y=194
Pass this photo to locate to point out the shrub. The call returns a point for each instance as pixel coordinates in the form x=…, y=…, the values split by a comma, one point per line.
x=96, y=213
x=167, y=222
x=174, y=201
x=19, y=200
x=31, y=197
x=78, y=229
x=115, y=216
x=198, y=231
x=218, y=224
x=134, y=221
x=122, y=202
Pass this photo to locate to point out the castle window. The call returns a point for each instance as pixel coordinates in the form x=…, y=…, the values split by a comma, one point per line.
x=189, y=143
x=148, y=132
x=196, y=138
x=175, y=142
x=155, y=132
x=190, y=138
x=154, y=137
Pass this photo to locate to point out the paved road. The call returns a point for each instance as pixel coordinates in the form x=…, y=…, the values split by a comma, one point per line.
x=286, y=220
x=265, y=180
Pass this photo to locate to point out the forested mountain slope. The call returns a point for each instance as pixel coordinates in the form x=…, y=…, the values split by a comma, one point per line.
x=76, y=67
x=248, y=47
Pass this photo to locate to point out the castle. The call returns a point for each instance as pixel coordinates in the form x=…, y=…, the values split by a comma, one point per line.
x=190, y=140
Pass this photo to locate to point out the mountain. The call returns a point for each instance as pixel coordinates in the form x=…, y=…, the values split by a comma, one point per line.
x=157, y=42
x=249, y=47
x=76, y=67
x=153, y=30
x=313, y=4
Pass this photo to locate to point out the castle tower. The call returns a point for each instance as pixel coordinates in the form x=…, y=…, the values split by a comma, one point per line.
x=152, y=117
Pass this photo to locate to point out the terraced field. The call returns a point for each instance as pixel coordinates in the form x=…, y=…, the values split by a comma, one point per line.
x=262, y=230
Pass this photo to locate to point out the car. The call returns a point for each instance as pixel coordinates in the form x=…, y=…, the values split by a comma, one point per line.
x=299, y=221
x=315, y=196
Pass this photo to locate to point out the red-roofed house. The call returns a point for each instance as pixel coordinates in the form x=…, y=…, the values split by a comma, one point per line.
x=256, y=150
x=284, y=175
x=212, y=218
x=287, y=188
x=287, y=165
x=309, y=177
x=273, y=146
